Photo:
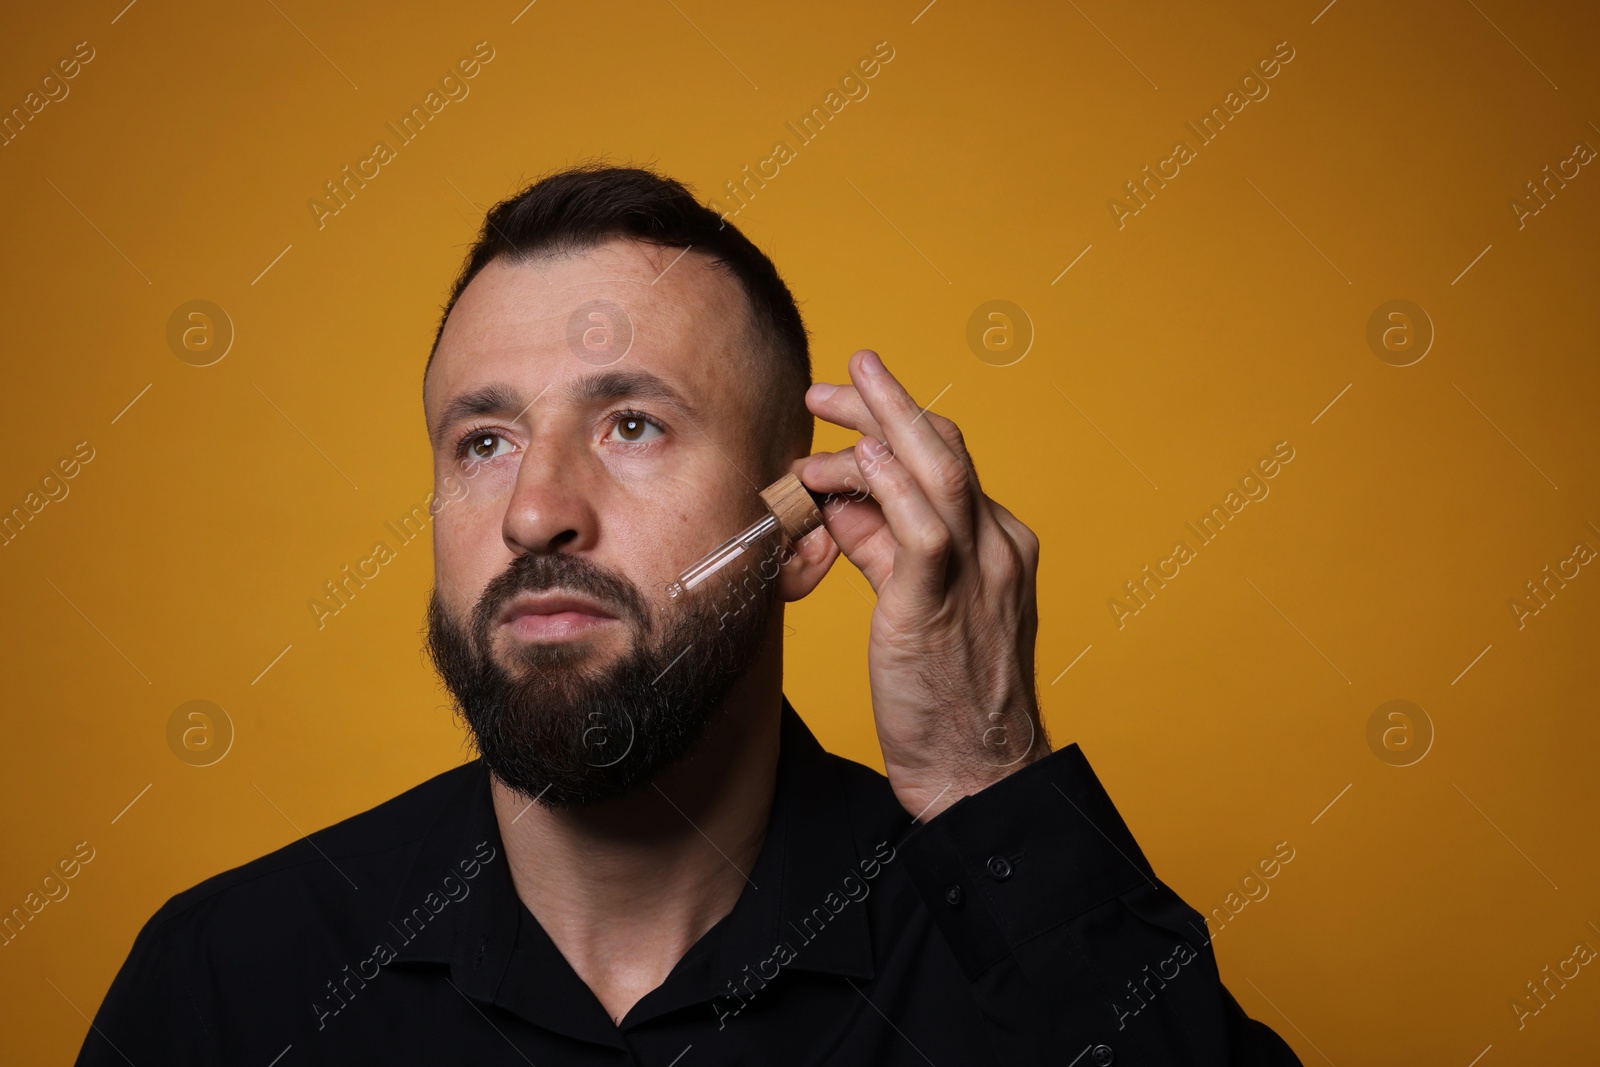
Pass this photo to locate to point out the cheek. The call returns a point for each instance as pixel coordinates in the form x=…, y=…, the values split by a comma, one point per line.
x=687, y=534
x=653, y=544
x=469, y=545
x=461, y=487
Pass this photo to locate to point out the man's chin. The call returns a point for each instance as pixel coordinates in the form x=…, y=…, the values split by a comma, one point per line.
x=581, y=718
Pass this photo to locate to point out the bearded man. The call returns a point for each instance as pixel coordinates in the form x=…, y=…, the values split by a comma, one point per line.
x=652, y=860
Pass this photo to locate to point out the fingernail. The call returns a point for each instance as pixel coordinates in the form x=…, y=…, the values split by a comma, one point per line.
x=874, y=448
x=822, y=390
x=872, y=364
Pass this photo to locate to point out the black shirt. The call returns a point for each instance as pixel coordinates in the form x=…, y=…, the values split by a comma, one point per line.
x=1022, y=925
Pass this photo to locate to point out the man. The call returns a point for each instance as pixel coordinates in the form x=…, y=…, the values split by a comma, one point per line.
x=653, y=861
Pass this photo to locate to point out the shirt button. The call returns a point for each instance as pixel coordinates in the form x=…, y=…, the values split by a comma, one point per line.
x=1102, y=1055
x=999, y=868
x=952, y=896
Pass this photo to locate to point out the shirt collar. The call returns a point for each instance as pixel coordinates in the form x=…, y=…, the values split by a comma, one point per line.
x=795, y=913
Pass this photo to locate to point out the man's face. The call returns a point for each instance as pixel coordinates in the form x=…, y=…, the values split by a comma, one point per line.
x=594, y=431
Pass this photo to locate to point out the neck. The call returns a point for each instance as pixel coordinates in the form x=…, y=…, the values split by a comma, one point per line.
x=626, y=887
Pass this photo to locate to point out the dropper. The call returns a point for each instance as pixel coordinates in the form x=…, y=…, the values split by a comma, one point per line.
x=791, y=508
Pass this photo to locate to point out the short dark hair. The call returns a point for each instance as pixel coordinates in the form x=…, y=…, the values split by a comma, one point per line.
x=574, y=210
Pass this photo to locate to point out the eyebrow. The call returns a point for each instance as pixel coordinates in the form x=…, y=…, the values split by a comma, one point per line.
x=500, y=399
x=495, y=399
x=625, y=385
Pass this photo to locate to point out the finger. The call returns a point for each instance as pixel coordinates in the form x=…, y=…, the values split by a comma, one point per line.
x=1023, y=543
x=844, y=407
x=852, y=518
x=834, y=472
x=943, y=476
x=1025, y=539
x=839, y=474
x=923, y=540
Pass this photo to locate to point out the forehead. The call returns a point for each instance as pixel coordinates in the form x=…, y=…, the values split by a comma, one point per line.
x=621, y=305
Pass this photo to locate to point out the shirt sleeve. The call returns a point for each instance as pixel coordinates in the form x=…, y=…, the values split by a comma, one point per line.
x=1077, y=953
x=151, y=1013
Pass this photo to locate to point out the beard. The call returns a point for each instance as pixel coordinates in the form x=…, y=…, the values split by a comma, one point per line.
x=560, y=729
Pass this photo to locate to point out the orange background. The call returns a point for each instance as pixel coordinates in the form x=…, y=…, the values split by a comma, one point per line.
x=1226, y=316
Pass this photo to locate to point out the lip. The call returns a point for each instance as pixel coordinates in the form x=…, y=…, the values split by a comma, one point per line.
x=553, y=616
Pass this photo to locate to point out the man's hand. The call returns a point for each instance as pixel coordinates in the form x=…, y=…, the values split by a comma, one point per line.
x=950, y=657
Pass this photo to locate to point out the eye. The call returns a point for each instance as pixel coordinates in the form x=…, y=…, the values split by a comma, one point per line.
x=482, y=446
x=634, y=427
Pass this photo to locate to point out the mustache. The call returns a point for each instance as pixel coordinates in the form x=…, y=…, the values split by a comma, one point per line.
x=537, y=573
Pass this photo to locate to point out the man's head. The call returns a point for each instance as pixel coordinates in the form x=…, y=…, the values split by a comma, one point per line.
x=617, y=371
x=572, y=212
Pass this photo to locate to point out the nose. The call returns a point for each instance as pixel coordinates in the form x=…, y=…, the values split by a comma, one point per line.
x=551, y=508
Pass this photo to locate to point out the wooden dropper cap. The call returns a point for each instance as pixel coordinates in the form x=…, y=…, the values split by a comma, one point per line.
x=794, y=506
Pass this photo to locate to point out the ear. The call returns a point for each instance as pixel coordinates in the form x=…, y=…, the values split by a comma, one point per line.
x=805, y=565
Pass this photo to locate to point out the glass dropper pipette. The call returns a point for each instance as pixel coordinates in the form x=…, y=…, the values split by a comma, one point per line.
x=723, y=554
x=791, y=508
